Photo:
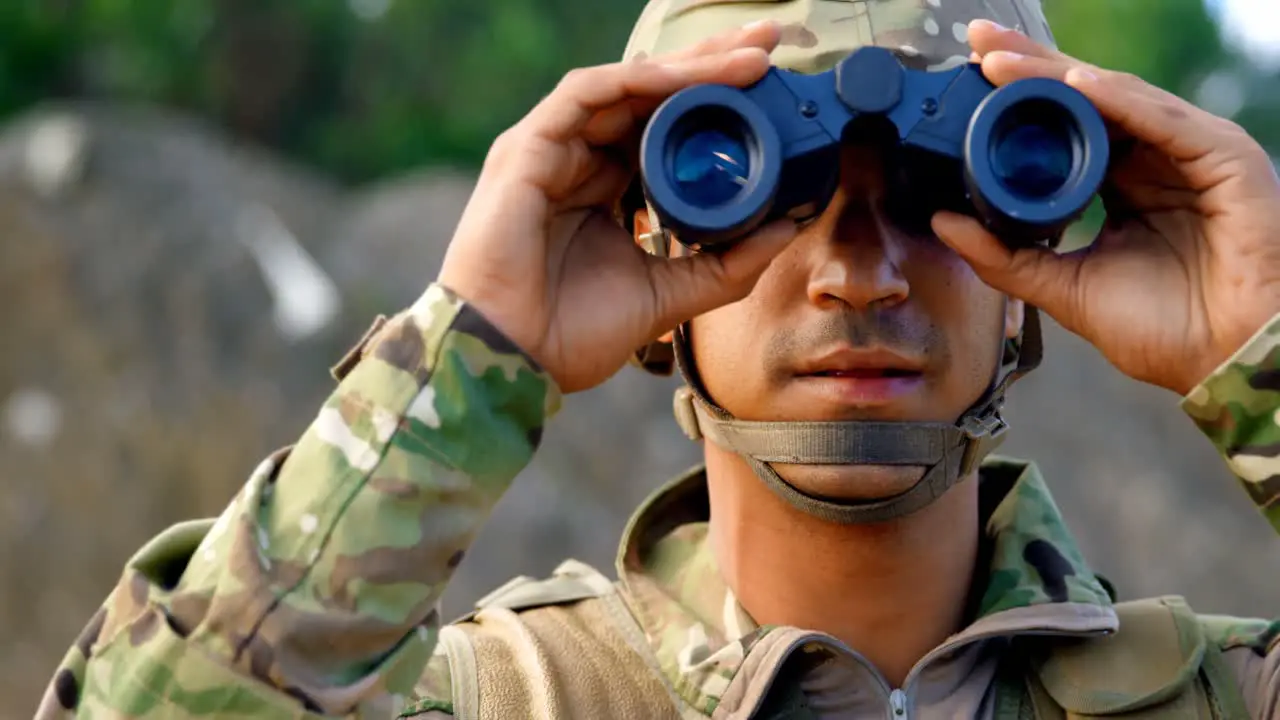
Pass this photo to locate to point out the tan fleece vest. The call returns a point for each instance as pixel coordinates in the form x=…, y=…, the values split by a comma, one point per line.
x=568, y=647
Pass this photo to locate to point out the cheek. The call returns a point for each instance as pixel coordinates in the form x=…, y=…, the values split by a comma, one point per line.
x=729, y=345
x=722, y=354
x=932, y=253
x=943, y=281
x=968, y=311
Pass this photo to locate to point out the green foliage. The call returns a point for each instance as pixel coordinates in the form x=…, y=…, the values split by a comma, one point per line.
x=363, y=88
x=1170, y=43
x=428, y=81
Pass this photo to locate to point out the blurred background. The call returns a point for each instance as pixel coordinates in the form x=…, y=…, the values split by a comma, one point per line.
x=204, y=203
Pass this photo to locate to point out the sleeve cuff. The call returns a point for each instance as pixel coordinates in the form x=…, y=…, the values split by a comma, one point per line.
x=1238, y=408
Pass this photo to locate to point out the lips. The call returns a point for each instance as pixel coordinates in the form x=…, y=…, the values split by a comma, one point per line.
x=861, y=377
x=865, y=373
x=868, y=363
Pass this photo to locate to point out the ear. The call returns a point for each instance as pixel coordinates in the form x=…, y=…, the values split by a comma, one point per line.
x=1014, y=312
x=641, y=225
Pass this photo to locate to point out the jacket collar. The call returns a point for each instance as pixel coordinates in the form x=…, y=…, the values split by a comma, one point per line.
x=1036, y=578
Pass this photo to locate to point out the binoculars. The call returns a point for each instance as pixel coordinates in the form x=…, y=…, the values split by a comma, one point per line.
x=1026, y=159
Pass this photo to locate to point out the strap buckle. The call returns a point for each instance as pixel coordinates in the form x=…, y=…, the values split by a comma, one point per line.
x=985, y=433
x=988, y=424
x=686, y=414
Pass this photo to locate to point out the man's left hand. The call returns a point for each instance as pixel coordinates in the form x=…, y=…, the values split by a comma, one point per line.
x=1187, y=266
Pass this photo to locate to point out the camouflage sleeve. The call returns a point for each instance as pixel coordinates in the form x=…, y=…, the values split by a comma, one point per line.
x=315, y=592
x=1238, y=408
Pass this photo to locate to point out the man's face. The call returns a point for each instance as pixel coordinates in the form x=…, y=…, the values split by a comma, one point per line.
x=860, y=318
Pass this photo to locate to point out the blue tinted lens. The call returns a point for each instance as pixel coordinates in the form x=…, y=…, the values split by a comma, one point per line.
x=710, y=168
x=1032, y=160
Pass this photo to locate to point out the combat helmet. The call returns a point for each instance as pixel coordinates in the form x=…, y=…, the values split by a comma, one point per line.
x=816, y=34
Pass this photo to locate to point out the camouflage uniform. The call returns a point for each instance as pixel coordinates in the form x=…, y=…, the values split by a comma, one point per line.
x=316, y=592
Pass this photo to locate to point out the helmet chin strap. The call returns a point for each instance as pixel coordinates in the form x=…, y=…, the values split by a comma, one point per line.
x=949, y=452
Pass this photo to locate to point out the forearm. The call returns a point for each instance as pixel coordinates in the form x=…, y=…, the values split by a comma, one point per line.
x=317, y=587
x=1238, y=408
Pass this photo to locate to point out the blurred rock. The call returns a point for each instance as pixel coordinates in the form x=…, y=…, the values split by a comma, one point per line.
x=174, y=302
x=391, y=237
x=165, y=323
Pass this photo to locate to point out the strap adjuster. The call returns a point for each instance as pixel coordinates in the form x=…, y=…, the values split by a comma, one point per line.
x=986, y=425
x=686, y=414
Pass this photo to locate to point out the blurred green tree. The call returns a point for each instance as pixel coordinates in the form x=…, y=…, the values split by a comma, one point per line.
x=364, y=88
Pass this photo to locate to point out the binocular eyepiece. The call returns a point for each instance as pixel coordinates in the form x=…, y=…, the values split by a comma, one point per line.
x=1026, y=159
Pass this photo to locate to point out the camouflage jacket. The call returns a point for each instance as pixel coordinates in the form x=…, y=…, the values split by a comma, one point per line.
x=315, y=593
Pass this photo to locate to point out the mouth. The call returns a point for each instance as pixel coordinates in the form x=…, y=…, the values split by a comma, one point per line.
x=866, y=363
x=861, y=378
x=865, y=373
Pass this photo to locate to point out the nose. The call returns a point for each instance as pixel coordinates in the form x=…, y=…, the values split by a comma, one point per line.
x=857, y=256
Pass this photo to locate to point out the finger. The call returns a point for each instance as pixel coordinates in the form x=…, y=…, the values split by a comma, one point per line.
x=1002, y=67
x=1139, y=109
x=764, y=34
x=1035, y=275
x=583, y=93
x=986, y=36
x=686, y=287
x=603, y=181
x=1149, y=181
x=616, y=122
x=1172, y=125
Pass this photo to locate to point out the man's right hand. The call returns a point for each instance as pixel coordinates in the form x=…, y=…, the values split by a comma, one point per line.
x=537, y=250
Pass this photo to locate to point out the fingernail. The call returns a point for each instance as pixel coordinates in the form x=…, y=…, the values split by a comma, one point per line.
x=991, y=25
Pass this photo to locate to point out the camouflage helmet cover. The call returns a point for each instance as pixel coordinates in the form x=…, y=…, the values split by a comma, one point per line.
x=926, y=34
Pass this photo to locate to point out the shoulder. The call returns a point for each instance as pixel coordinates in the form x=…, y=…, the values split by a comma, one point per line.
x=1229, y=632
x=1223, y=632
x=475, y=638
x=1249, y=660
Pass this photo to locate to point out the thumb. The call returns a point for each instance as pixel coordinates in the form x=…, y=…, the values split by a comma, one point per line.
x=1036, y=275
x=686, y=287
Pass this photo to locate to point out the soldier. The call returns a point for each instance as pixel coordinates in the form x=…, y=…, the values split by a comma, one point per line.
x=828, y=586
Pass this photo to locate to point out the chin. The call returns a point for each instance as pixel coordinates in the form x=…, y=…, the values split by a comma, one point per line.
x=850, y=482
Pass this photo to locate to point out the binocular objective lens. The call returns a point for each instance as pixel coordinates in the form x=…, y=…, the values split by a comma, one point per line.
x=1033, y=160
x=710, y=168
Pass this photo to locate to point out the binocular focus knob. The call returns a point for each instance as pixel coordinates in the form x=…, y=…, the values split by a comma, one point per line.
x=870, y=80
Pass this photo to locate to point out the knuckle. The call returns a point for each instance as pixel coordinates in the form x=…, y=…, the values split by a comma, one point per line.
x=1236, y=130
x=501, y=144
x=1124, y=77
x=502, y=147
x=578, y=78
x=1233, y=134
x=1253, y=150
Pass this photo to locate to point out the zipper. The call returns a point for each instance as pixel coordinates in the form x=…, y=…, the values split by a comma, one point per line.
x=898, y=697
x=898, y=703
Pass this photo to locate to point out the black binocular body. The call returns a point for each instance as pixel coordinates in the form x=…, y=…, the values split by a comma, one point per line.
x=1026, y=159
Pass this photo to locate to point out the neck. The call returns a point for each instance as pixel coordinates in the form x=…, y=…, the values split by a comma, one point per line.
x=891, y=591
